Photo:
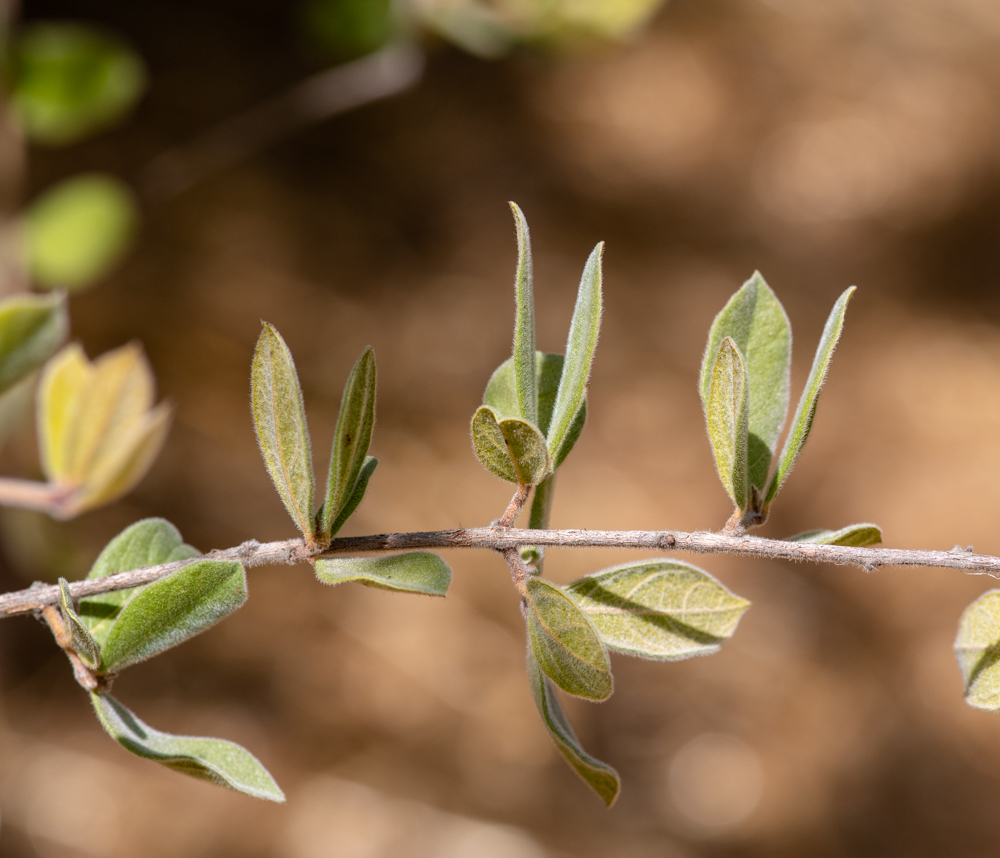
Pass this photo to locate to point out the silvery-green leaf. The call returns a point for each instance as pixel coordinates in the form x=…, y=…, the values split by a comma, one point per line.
x=31, y=329
x=279, y=419
x=600, y=777
x=727, y=411
x=357, y=495
x=756, y=322
x=149, y=542
x=216, y=760
x=510, y=448
x=853, y=534
x=173, y=609
x=350, y=440
x=659, y=609
x=806, y=410
x=565, y=642
x=415, y=572
x=977, y=647
x=580, y=346
x=84, y=644
x=524, y=325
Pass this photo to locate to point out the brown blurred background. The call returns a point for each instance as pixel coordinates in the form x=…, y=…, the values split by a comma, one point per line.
x=825, y=142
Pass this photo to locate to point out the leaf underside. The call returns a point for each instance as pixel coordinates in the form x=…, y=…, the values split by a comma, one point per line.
x=416, y=572
x=509, y=448
x=977, y=648
x=857, y=535
x=727, y=415
x=524, y=325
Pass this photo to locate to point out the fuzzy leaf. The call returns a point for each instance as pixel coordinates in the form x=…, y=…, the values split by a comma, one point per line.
x=756, y=322
x=580, y=347
x=416, y=572
x=565, y=642
x=511, y=449
x=31, y=329
x=854, y=534
x=84, y=644
x=149, y=542
x=357, y=494
x=351, y=439
x=806, y=410
x=659, y=609
x=216, y=760
x=727, y=412
x=169, y=611
x=600, y=777
x=977, y=647
x=524, y=325
x=279, y=420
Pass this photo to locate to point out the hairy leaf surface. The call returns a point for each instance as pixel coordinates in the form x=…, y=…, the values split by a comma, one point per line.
x=857, y=535
x=509, y=448
x=415, y=572
x=727, y=413
x=357, y=495
x=84, y=644
x=524, y=325
x=977, y=647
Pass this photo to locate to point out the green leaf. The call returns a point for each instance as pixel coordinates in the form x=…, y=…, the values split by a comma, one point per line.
x=756, y=322
x=600, y=777
x=84, y=644
x=538, y=519
x=854, y=534
x=350, y=441
x=977, y=647
x=71, y=80
x=659, y=609
x=806, y=410
x=347, y=29
x=727, y=412
x=524, y=325
x=216, y=760
x=357, y=495
x=31, y=329
x=416, y=572
x=78, y=231
x=279, y=420
x=169, y=611
x=565, y=642
x=511, y=449
x=580, y=346
x=149, y=542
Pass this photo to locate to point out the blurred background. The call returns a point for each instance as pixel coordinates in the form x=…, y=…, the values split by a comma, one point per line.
x=825, y=143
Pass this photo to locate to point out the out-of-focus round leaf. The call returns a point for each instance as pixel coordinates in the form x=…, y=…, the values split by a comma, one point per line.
x=78, y=231
x=71, y=80
x=347, y=29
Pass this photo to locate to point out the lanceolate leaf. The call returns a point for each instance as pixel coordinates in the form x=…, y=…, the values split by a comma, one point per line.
x=565, y=642
x=149, y=542
x=84, y=644
x=659, y=609
x=978, y=649
x=806, y=410
x=216, y=760
x=350, y=440
x=31, y=329
x=524, y=325
x=756, y=322
x=416, y=572
x=279, y=419
x=173, y=609
x=510, y=448
x=853, y=534
x=580, y=346
x=357, y=495
x=600, y=777
x=727, y=411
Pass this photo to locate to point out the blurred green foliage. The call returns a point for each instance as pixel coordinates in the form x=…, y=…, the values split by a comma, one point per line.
x=347, y=29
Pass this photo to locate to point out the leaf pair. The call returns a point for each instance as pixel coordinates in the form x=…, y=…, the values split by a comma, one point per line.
x=745, y=393
x=99, y=432
x=283, y=435
x=534, y=407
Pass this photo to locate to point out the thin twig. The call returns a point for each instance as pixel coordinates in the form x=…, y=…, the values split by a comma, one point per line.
x=29, y=494
x=515, y=506
x=291, y=551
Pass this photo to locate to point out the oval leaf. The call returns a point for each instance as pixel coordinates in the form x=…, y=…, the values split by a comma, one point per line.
x=756, y=322
x=565, y=642
x=357, y=495
x=216, y=760
x=84, y=644
x=659, y=609
x=600, y=777
x=169, y=611
x=31, y=329
x=524, y=325
x=416, y=572
x=279, y=419
x=727, y=413
x=351, y=439
x=854, y=534
x=510, y=448
x=977, y=647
